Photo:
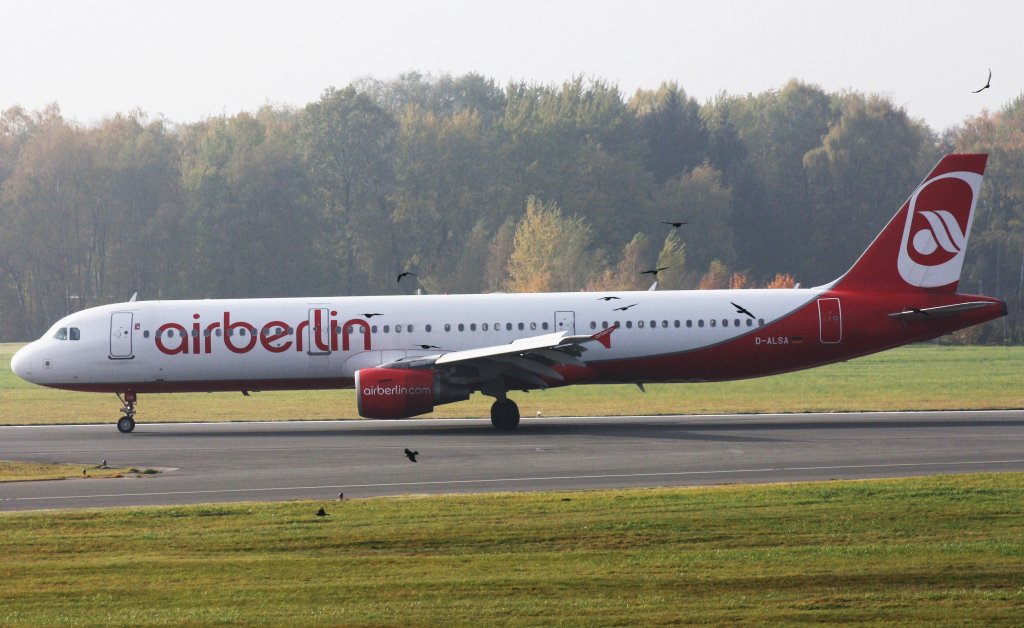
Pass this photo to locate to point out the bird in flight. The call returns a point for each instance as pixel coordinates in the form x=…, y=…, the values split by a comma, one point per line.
x=624, y=307
x=653, y=271
x=675, y=225
x=372, y=314
x=425, y=347
x=742, y=310
x=606, y=298
x=322, y=513
x=405, y=274
x=411, y=455
x=988, y=83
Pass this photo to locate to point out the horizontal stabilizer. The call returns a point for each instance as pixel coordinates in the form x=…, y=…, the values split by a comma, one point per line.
x=941, y=311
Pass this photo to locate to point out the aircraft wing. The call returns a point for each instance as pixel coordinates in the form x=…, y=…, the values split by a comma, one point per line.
x=525, y=359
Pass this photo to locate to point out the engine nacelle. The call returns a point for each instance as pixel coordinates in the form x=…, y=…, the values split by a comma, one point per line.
x=386, y=393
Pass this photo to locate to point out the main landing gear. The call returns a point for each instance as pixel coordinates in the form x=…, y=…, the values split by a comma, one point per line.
x=127, y=423
x=505, y=415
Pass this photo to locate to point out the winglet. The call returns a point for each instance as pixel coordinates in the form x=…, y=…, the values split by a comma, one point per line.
x=605, y=336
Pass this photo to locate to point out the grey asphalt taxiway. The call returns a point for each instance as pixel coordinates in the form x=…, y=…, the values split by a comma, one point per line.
x=230, y=462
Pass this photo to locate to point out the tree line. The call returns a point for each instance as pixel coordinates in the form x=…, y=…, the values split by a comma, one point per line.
x=478, y=187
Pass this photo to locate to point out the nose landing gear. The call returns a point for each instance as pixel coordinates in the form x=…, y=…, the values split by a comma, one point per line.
x=127, y=423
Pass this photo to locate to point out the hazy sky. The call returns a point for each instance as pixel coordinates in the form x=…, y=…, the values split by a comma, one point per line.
x=188, y=60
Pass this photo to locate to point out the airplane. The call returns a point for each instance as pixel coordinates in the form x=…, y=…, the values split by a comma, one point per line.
x=420, y=351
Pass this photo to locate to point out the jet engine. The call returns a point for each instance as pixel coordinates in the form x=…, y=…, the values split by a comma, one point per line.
x=398, y=393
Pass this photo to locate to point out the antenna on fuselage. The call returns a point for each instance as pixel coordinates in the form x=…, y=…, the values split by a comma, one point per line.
x=654, y=286
x=135, y=295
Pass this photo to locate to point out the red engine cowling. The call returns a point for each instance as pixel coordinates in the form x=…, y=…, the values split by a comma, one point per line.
x=383, y=393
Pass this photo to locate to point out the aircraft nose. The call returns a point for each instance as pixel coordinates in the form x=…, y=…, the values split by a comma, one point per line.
x=20, y=363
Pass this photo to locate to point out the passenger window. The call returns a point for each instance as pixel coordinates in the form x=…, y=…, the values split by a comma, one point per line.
x=604, y=324
x=447, y=326
x=521, y=327
x=428, y=328
x=544, y=326
x=145, y=334
x=62, y=334
x=74, y=333
x=654, y=324
x=387, y=328
x=533, y=326
x=408, y=328
x=713, y=322
x=462, y=327
x=373, y=329
x=737, y=322
x=472, y=327
x=760, y=322
x=497, y=327
x=629, y=324
x=593, y=324
x=639, y=324
x=217, y=332
x=725, y=322
x=508, y=326
x=700, y=323
x=689, y=323
x=675, y=323
x=484, y=327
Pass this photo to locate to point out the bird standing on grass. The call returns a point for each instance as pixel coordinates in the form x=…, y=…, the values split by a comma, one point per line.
x=322, y=513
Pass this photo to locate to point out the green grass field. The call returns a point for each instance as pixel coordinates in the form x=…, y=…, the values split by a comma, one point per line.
x=940, y=550
x=922, y=377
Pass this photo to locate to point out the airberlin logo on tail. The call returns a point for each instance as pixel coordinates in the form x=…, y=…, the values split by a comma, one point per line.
x=935, y=235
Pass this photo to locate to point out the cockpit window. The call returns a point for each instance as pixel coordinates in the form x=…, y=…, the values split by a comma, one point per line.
x=62, y=334
x=74, y=334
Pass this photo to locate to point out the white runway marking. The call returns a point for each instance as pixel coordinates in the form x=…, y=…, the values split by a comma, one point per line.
x=532, y=479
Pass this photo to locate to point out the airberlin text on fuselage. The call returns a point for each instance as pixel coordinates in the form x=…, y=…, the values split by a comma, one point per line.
x=273, y=337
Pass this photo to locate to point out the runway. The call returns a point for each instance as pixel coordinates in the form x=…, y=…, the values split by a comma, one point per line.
x=231, y=462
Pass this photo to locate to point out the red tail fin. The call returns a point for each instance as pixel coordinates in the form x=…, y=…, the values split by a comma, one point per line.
x=923, y=246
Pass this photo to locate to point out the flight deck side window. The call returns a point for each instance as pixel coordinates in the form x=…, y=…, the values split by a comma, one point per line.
x=62, y=334
x=74, y=334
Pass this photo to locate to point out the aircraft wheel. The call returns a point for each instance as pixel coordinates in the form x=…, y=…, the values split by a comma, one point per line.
x=125, y=424
x=505, y=415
